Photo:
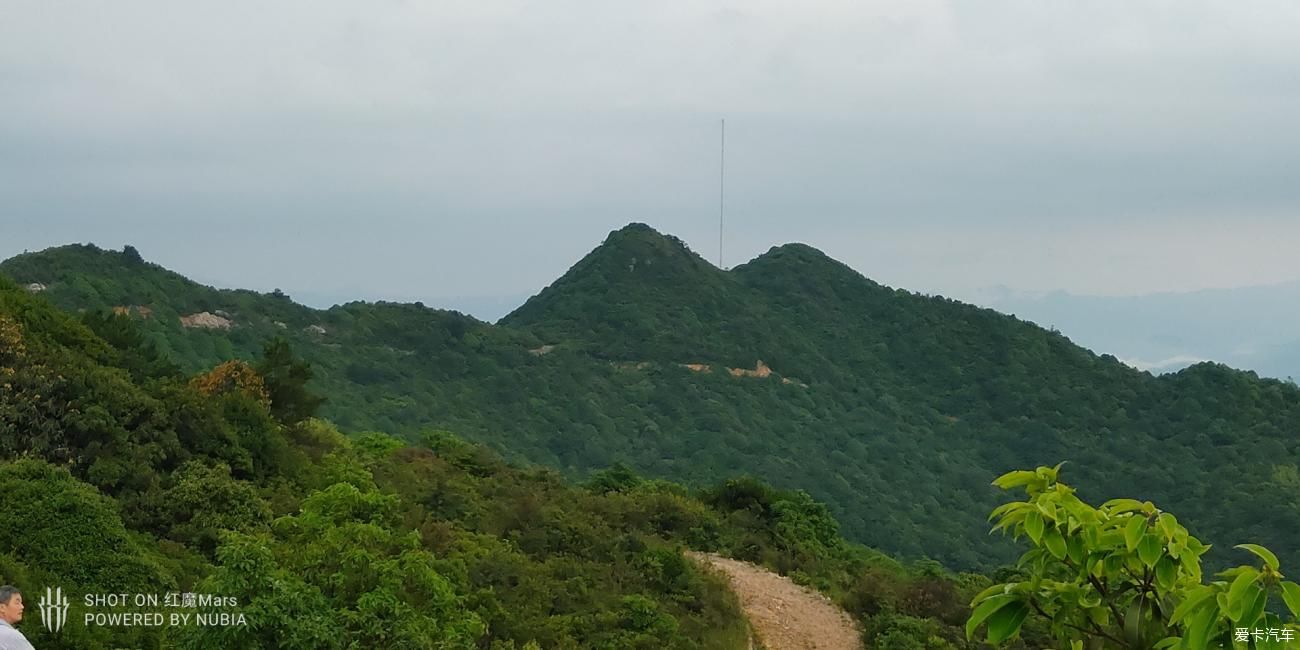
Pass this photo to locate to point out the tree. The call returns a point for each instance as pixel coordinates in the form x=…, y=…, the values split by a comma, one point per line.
x=233, y=376
x=1125, y=576
x=286, y=378
x=59, y=531
x=51, y=520
x=206, y=500
x=340, y=574
x=136, y=354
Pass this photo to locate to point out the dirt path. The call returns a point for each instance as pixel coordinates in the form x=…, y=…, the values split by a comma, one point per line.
x=785, y=615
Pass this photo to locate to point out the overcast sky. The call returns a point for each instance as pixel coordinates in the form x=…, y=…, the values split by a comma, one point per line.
x=439, y=150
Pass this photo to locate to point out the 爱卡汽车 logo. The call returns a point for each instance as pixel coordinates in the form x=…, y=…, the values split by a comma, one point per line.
x=54, y=609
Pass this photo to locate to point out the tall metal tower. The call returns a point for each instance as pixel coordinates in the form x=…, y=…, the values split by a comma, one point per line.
x=722, y=187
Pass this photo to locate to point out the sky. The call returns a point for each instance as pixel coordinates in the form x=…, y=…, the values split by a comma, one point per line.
x=467, y=153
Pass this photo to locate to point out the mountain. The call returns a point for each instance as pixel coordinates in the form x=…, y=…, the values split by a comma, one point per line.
x=124, y=475
x=895, y=408
x=645, y=296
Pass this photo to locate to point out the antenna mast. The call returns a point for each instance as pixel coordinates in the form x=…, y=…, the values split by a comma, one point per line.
x=722, y=186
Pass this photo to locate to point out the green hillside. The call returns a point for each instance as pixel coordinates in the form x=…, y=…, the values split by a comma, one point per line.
x=893, y=408
x=124, y=475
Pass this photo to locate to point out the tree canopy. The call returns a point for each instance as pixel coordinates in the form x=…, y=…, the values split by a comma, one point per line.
x=891, y=407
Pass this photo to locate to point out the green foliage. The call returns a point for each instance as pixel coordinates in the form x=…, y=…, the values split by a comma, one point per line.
x=56, y=530
x=206, y=500
x=132, y=351
x=343, y=556
x=910, y=402
x=619, y=478
x=287, y=611
x=1123, y=576
x=549, y=562
x=286, y=378
x=375, y=543
x=51, y=520
x=896, y=409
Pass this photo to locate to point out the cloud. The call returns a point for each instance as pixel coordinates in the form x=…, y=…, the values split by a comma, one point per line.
x=479, y=148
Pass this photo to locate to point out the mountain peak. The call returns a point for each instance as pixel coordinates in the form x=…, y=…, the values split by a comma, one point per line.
x=650, y=286
x=87, y=253
x=61, y=264
x=85, y=276
x=637, y=227
x=635, y=255
x=638, y=239
x=796, y=251
x=802, y=260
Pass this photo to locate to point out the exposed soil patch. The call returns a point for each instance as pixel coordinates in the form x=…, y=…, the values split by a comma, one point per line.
x=785, y=616
x=760, y=370
x=206, y=320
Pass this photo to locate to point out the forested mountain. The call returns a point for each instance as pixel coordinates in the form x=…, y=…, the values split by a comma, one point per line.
x=122, y=474
x=894, y=408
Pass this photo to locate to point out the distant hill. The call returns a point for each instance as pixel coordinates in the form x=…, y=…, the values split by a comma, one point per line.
x=1254, y=328
x=896, y=409
x=123, y=475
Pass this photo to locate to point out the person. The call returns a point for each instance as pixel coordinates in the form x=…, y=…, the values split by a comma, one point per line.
x=11, y=611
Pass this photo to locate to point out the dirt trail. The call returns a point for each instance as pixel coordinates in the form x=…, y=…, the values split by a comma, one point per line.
x=785, y=615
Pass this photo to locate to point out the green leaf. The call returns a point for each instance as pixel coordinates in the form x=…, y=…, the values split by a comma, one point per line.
x=1099, y=615
x=1118, y=506
x=995, y=589
x=1091, y=538
x=1134, y=619
x=1056, y=471
x=1008, y=521
x=1191, y=564
x=985, y=610
x=1098, y=568
x=1007, y=508
x=1198, y=629
x=1263, y=553
x=1197, y=547
x=1238, y=590
x=1194, y=600
x=1015, y=479
x=1054, y=542
x=1111, y=539
x=1133, y=531
x=1134, y=563
x=1048, y=510
x=1034, y=526
x=1113, y=564
x=1079, y=510
x=1075, y=550
x=1166, y=573
x=1270, y=622
x=1254, y=607
x=1177, y=548
x=1291, y=594
x=1150, y=549
x=1005, y=622
x=1168, y=525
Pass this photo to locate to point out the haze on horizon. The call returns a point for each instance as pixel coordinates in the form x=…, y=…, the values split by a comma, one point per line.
x=468, y=154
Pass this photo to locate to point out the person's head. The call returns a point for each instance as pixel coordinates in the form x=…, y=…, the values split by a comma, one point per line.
x=11, y=604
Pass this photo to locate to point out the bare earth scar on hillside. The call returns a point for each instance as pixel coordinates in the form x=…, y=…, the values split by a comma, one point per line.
x=785, y=615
